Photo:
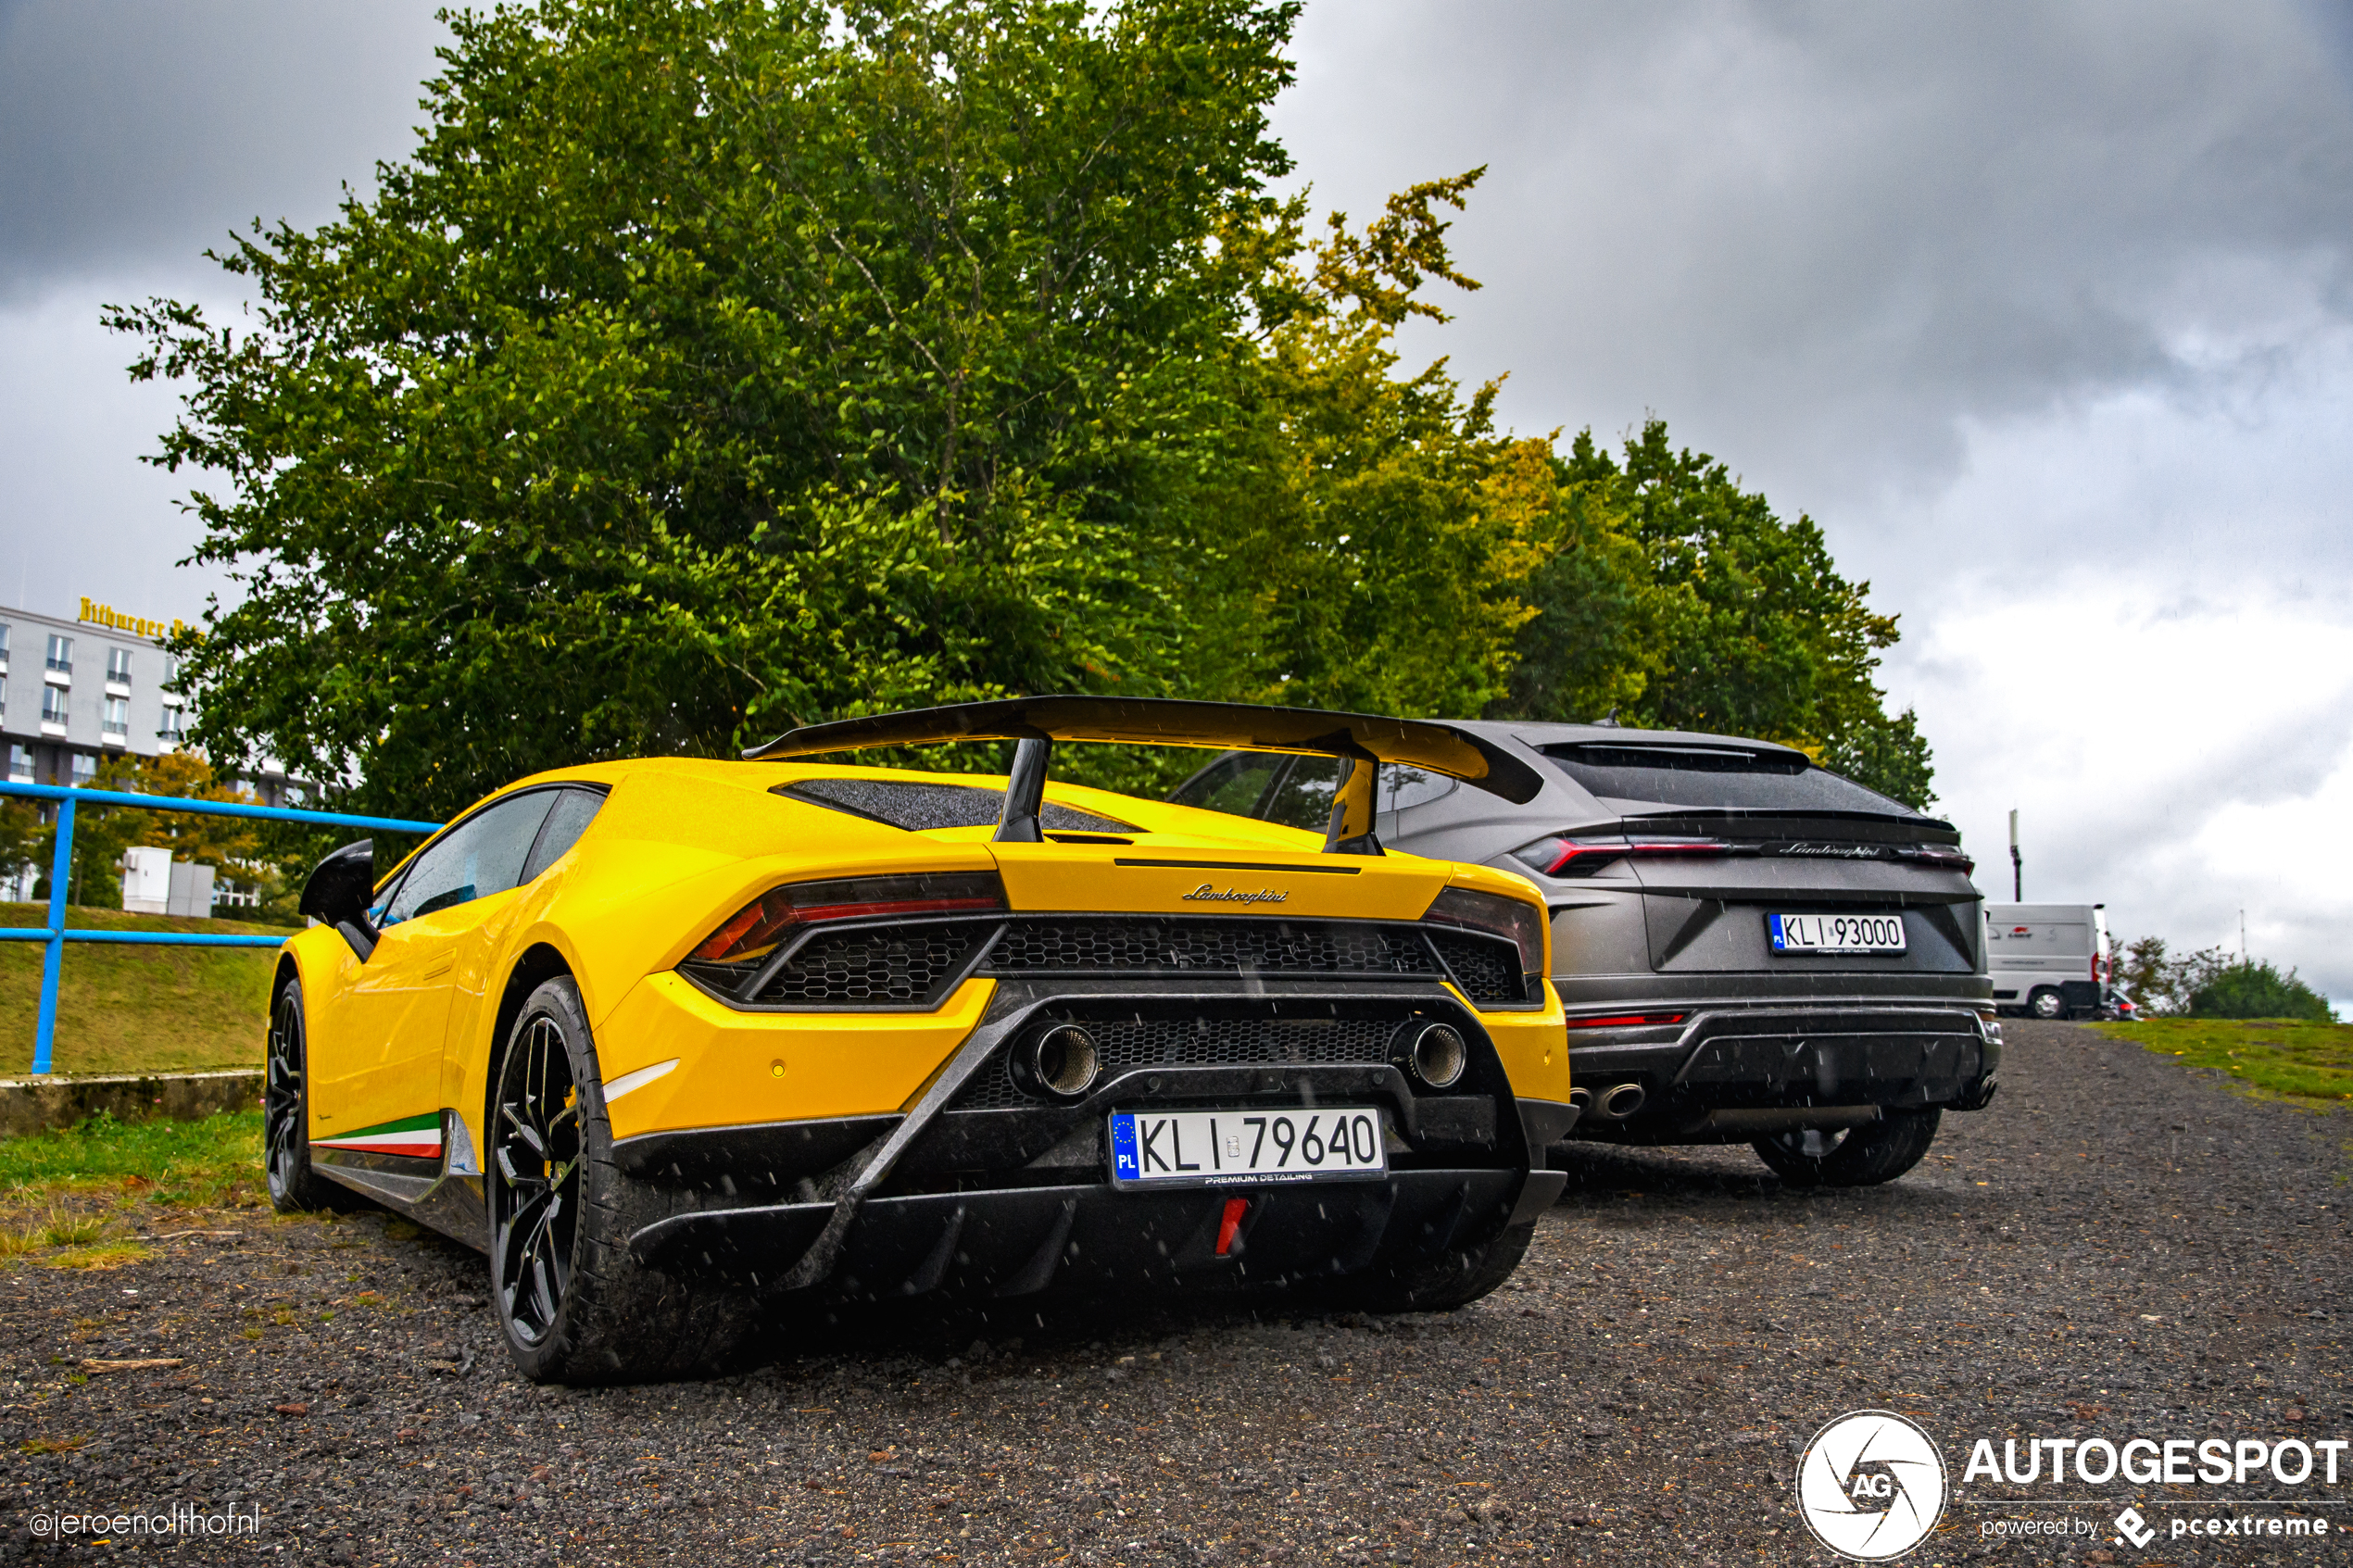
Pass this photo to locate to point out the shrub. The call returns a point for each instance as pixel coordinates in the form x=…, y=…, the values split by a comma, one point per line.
x=2256, y=989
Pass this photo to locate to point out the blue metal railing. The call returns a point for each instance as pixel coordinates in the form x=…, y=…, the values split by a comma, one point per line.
x=61, y=874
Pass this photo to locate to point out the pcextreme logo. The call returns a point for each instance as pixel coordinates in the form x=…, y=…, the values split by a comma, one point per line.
x=1870, y=1486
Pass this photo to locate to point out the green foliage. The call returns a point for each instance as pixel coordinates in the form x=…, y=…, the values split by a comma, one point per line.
x=2256, y=988
x=1383, y=530
x=22, y=838
x=1888, y=755
x=1682, y=601
x=2163, y=982
x=710, y=368
x=2211, y=982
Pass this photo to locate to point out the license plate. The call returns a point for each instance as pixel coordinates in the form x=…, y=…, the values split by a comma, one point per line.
x=1223, y=1148
x=1836, y=933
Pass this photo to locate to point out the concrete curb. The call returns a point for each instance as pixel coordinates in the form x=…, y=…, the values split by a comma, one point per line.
x=34, y=1105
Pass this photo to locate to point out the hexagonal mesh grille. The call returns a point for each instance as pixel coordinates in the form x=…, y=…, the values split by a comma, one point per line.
x=874, y=965
x=1125, y=1044
x=1485, y=969
x=1232, y=946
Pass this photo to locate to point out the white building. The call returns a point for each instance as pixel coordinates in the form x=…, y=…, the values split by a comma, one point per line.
x=72, y=692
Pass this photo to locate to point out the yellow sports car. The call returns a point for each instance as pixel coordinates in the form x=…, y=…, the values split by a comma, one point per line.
x=681, y=1042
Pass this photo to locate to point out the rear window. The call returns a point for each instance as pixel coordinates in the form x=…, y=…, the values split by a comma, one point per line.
x=1724, y=778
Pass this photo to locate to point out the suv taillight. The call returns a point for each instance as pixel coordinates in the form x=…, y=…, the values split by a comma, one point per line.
x=773, y=916
x=1583, y=857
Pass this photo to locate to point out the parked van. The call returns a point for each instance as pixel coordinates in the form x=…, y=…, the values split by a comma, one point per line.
x=2047, y=961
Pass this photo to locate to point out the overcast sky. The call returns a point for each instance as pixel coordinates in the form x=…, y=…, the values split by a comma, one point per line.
x=2043, y=311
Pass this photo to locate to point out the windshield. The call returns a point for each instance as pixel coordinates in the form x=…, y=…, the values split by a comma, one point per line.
x=1724, y=778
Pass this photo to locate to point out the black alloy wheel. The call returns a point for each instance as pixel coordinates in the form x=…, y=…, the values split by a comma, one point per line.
x=285, y=1115
x=1852, y=1156
x=573, y=1303
x=536, y=1179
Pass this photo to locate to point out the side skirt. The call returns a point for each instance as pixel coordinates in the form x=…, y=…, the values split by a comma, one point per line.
x=423, y=1168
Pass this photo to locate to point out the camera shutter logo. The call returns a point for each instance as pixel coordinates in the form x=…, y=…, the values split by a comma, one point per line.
x=1870, y=1486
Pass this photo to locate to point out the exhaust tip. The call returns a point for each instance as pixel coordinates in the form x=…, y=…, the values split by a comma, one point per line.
x=1621, y=1100
x=1439, y=1056
x=1064, y=1062
x=1581, y=1099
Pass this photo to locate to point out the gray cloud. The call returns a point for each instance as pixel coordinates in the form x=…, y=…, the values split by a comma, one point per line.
x=1818, y=238
x=135, y=133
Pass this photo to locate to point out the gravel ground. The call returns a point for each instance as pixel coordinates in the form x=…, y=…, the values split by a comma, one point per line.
x=2119, y=1247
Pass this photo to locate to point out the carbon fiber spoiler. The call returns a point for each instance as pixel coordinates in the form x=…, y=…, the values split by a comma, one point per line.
x=1037, y=722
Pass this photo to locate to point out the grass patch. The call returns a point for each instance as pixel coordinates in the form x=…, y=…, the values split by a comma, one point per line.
x=2307, y=1063
x=52, y=1444
x=56, y=1227
x=114, y=1255
x=137, y=1010
x=212, y=1163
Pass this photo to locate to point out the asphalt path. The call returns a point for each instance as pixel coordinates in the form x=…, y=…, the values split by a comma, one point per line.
x=2119, y=1248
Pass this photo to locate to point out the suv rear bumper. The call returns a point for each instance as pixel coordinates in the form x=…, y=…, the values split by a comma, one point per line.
x=1723, y=1074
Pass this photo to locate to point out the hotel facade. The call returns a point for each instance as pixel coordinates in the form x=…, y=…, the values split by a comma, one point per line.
x=73, y=692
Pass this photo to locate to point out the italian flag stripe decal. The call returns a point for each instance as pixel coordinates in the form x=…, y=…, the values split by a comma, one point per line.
x=419, y=1138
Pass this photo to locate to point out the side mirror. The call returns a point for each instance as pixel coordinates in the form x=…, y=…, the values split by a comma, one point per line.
x=337, y=892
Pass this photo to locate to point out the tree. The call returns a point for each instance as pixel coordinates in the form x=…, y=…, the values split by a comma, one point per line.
x=1700, y=608
x=710, y=368
x=2256, y=988
x=21, y=838
x=1384, y=528
x=101, y=833
x=714, y=367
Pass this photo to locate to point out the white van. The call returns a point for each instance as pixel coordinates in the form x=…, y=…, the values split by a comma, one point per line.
x=2047, y=961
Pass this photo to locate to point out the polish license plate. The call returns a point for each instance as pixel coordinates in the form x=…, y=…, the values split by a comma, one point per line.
x=1228, y=1148
x=1836, y=933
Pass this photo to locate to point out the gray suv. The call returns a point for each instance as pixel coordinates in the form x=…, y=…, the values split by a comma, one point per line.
x=1750, y=948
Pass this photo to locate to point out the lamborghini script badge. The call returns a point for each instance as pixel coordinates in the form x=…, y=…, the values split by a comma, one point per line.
x=1205, y=893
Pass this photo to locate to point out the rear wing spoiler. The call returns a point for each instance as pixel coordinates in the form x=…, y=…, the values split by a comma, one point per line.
x=1036, y=722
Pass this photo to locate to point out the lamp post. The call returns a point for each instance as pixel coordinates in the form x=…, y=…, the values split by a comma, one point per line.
x=2018, y=867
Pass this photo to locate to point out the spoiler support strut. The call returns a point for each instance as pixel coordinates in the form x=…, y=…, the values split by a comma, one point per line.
x=1364, y=740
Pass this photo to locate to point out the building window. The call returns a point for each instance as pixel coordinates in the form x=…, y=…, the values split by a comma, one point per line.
x=118, y=720
x=52, y=706
x=61, y=655
x=170, y=671
x=85, y=770
x=118, y=666
x=3, y=644
x=21, y=764
x=174, y=725
x=4, y=695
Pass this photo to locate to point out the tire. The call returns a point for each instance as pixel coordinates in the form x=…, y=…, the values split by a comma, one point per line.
x=294, y=1184
x=574, y=1307
x=1859, y=1157
x=2047, y=1005
x=1454, y=1278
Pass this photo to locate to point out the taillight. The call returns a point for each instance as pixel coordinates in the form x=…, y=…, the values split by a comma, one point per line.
x=1938, y=856
x=1627, y=1021
x=773, y=916
x=1522, y=924
x=1583, y=857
